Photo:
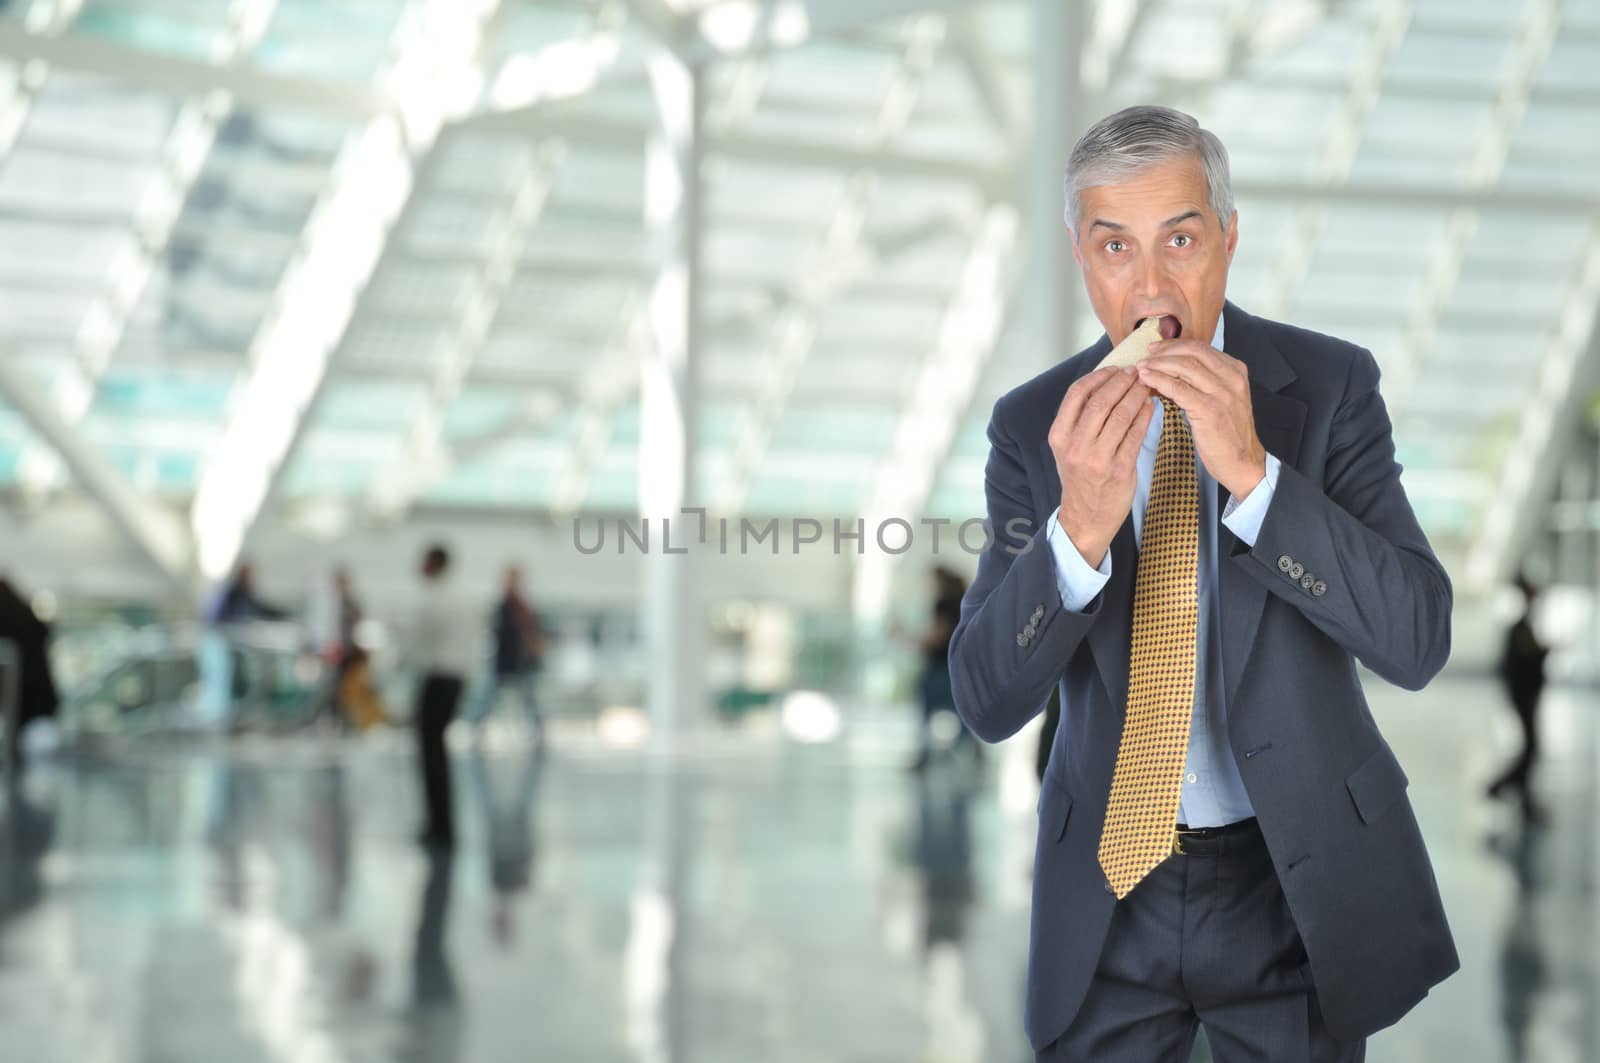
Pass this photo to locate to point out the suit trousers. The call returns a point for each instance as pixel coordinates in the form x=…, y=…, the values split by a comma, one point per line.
x=1203, y=939
x=437, y=700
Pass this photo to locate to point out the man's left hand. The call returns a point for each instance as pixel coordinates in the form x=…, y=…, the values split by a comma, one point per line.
x=1213, y=388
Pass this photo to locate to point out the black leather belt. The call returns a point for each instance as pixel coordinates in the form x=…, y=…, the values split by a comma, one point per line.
x=1215, y=841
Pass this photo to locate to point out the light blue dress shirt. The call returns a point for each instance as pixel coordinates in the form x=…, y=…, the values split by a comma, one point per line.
x=1213, y=792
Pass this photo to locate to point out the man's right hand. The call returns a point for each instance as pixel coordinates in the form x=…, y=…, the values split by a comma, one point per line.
x=1095, y=439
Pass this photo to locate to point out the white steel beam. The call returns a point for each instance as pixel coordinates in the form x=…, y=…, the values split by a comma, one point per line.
x=1536, y=35
x=945, y=382
x=619, y=134
x=976, y=318
x=743, y=27
x=371, y=182
x=1569, y=371
x=188, y=145
x=424, y=455
x=160, y=538
x=795, y=331
x=1255, y=28
x=660, y=21
x=1298, y=244
x=611, y=382
x=983, y=70
x=999, y=182
x=188, y=77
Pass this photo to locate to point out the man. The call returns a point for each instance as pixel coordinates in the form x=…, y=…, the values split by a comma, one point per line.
x=444, y=655
x=34, y=685
x=238, y=602
x=1196, y=551
x=518, y=655
x=1522, y=669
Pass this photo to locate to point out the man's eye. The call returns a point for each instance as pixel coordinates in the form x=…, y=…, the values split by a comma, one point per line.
x=1182, y=240
x=1115, y=246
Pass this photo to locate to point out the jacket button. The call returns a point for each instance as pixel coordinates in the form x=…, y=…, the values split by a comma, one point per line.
x=1296, y=570
x=1285, y=563
x=1308, y=581
x=1319, y=588
x=1022, y=640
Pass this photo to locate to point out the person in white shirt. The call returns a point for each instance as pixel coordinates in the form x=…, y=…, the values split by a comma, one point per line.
x=444, y=652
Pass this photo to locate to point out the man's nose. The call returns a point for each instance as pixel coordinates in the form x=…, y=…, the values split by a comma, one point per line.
x=1154, y=279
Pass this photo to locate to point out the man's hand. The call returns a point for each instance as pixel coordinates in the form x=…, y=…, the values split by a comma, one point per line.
x=1213, y=388
x=1095, y=439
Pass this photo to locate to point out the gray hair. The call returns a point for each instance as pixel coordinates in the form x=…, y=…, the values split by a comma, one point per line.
x=1121, y=145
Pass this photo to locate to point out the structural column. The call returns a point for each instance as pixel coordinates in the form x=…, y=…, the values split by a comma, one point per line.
x=673, y=613
x=1053, y=297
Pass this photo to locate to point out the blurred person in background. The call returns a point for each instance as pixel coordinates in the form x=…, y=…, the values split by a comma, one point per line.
x=1522, y=670
x=331, y=628
x=518, y=634
x=933, y=684
x=35, y=682
x=238, y=602
x=357, y=695
x=223, y=668
x=443, y=651
x=335, y=614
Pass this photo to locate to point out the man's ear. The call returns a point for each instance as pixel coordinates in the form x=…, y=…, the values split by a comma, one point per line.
x=1077, y=255
x=1233, y=235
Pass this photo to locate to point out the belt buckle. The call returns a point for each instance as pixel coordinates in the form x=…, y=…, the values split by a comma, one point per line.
x=1177, y=841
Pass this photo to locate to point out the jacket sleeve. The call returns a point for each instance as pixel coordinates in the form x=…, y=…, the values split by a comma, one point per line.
x=1367, y=577
x=1014, y=637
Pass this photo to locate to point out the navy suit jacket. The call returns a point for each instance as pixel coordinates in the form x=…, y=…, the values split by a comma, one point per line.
x=1340, y=572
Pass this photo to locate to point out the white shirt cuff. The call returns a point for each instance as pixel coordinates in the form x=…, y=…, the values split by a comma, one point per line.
x=1075, y=580
x=1244, y=517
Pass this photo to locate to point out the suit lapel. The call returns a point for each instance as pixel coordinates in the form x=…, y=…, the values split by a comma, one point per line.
x=1280, y=421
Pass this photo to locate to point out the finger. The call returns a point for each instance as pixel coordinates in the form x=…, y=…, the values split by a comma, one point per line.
x=1178, y=346
x=1222, y=363
x=1128, y=450
x=1072, y=402
x=1186, y=395
x=1193, y=371
x=1099, y=406
x=1126, y=411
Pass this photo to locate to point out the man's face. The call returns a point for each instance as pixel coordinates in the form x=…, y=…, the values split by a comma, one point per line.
x=1152, y=246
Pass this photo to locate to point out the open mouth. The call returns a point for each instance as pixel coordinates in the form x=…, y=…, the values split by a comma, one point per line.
x=1171, y=328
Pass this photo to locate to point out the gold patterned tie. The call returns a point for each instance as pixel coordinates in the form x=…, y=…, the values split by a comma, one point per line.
x=1148, y=779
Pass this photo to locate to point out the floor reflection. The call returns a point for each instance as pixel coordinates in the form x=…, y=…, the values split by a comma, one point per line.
x=26, y=833
x=944, y=855
x=508, y=808
x=435, y=1023
x=263, y=899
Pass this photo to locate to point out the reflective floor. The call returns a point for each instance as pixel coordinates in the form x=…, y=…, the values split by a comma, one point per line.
x=263, y=900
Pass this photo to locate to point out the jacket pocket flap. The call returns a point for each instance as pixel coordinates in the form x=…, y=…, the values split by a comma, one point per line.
x=1055, y=805
x=1375, y=785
